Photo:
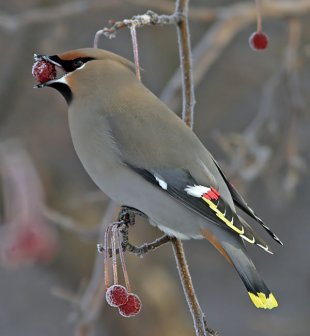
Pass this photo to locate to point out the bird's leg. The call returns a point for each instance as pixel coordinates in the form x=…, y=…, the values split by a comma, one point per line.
x=126, y=218
x=128, y=214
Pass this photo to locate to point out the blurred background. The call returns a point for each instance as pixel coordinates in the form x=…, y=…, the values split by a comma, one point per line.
x=251, y=112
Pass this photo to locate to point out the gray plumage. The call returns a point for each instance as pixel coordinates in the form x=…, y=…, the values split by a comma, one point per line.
x=143, y=156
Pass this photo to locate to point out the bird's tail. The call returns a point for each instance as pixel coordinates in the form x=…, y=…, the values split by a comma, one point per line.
x=258, y=291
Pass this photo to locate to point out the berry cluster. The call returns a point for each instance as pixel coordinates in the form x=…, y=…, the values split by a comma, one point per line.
x=128, y=303
x=258, y=40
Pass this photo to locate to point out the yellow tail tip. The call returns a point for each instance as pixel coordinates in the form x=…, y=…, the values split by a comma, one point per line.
x=261, y=301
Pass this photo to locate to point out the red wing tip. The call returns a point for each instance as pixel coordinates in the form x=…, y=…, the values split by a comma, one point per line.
x=212, y=194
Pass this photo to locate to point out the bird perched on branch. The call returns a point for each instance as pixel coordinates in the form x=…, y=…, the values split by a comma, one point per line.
x=143, y=156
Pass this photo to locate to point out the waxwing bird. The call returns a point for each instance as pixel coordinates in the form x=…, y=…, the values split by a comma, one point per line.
x=143, y=156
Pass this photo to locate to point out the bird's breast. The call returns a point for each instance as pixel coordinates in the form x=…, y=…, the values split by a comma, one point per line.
x=94, y=145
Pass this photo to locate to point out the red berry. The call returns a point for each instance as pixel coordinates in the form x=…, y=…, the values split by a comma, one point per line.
x=132, y=307
x=258, y=41
x=116, y=295
x=43, y=71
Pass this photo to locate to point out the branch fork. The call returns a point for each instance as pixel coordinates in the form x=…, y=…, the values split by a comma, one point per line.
x=137, y=21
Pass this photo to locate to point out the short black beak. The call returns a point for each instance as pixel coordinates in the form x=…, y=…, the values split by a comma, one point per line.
x=52, y=59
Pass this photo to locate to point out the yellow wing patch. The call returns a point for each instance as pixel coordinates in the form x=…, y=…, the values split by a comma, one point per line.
x=212, y=197
x=261, y=301
x=229, y=223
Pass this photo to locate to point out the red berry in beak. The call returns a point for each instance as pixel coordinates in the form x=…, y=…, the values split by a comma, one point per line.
x=43, y=71
x=116, y=295
x=258, y=41
x=132, y=307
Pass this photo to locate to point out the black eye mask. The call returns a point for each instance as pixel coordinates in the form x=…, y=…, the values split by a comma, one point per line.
x=69, y=65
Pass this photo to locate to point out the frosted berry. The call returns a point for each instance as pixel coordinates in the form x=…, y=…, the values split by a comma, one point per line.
x=43, y=71
x=258, y=41
x=132, y=307
x=116, y=295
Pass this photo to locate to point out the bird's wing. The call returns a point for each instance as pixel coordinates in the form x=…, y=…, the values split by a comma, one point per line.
x=242, y=204
x=157, y=145
x=205, y=200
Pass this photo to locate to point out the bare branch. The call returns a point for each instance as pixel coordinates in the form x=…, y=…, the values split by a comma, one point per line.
x=201, y=13
x=195, y=309
x=143, y=249
x=188, y=117
x=185, y=62
x=270, y=8
x=252, y=157
x=230, y=21
x=138, y=21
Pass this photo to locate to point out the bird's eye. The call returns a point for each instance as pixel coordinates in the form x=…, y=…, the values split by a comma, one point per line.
x=77, y=63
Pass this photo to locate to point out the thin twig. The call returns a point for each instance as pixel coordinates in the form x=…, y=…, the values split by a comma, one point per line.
x=106, y=249
x=137, y=21
x=189, y=291
x=114, y=256
x=188, y=116
x=134, y=39
x=91, y=301
x=185, y=62
x=259, y=15
x=124, y=267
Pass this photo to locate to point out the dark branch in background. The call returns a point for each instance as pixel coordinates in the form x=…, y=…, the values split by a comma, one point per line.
x=228, y=22
x=251, y=156
x=69, y=224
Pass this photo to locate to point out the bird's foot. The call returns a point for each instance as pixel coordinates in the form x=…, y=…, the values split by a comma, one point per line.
x=136, y=250
x=128, y=215
x=126, y=218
